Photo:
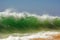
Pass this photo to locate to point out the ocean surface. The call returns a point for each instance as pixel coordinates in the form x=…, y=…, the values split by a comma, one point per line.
x=26, y=26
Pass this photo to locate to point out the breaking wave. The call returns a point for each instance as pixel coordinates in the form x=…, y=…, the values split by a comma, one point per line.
x=24, y=23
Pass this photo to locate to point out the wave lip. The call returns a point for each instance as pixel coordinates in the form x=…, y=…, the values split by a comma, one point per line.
x=10, y=12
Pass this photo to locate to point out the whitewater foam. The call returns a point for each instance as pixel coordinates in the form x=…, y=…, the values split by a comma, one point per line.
x=9, y=12
x=47, y=34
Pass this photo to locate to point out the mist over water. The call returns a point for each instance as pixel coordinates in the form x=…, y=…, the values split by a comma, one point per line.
x=41, y=34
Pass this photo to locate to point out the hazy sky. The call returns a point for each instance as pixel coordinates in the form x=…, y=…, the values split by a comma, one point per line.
x=51, y=7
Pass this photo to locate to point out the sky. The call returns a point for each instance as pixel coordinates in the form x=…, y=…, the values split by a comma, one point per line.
x=51, y=7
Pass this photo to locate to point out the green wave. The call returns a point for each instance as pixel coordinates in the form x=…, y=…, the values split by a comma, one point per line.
x=25, y=24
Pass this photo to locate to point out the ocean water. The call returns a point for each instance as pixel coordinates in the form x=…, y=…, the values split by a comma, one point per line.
x=25, y=26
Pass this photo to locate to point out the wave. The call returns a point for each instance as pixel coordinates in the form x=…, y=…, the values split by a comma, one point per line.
x=27, y=26
x=11, y=22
